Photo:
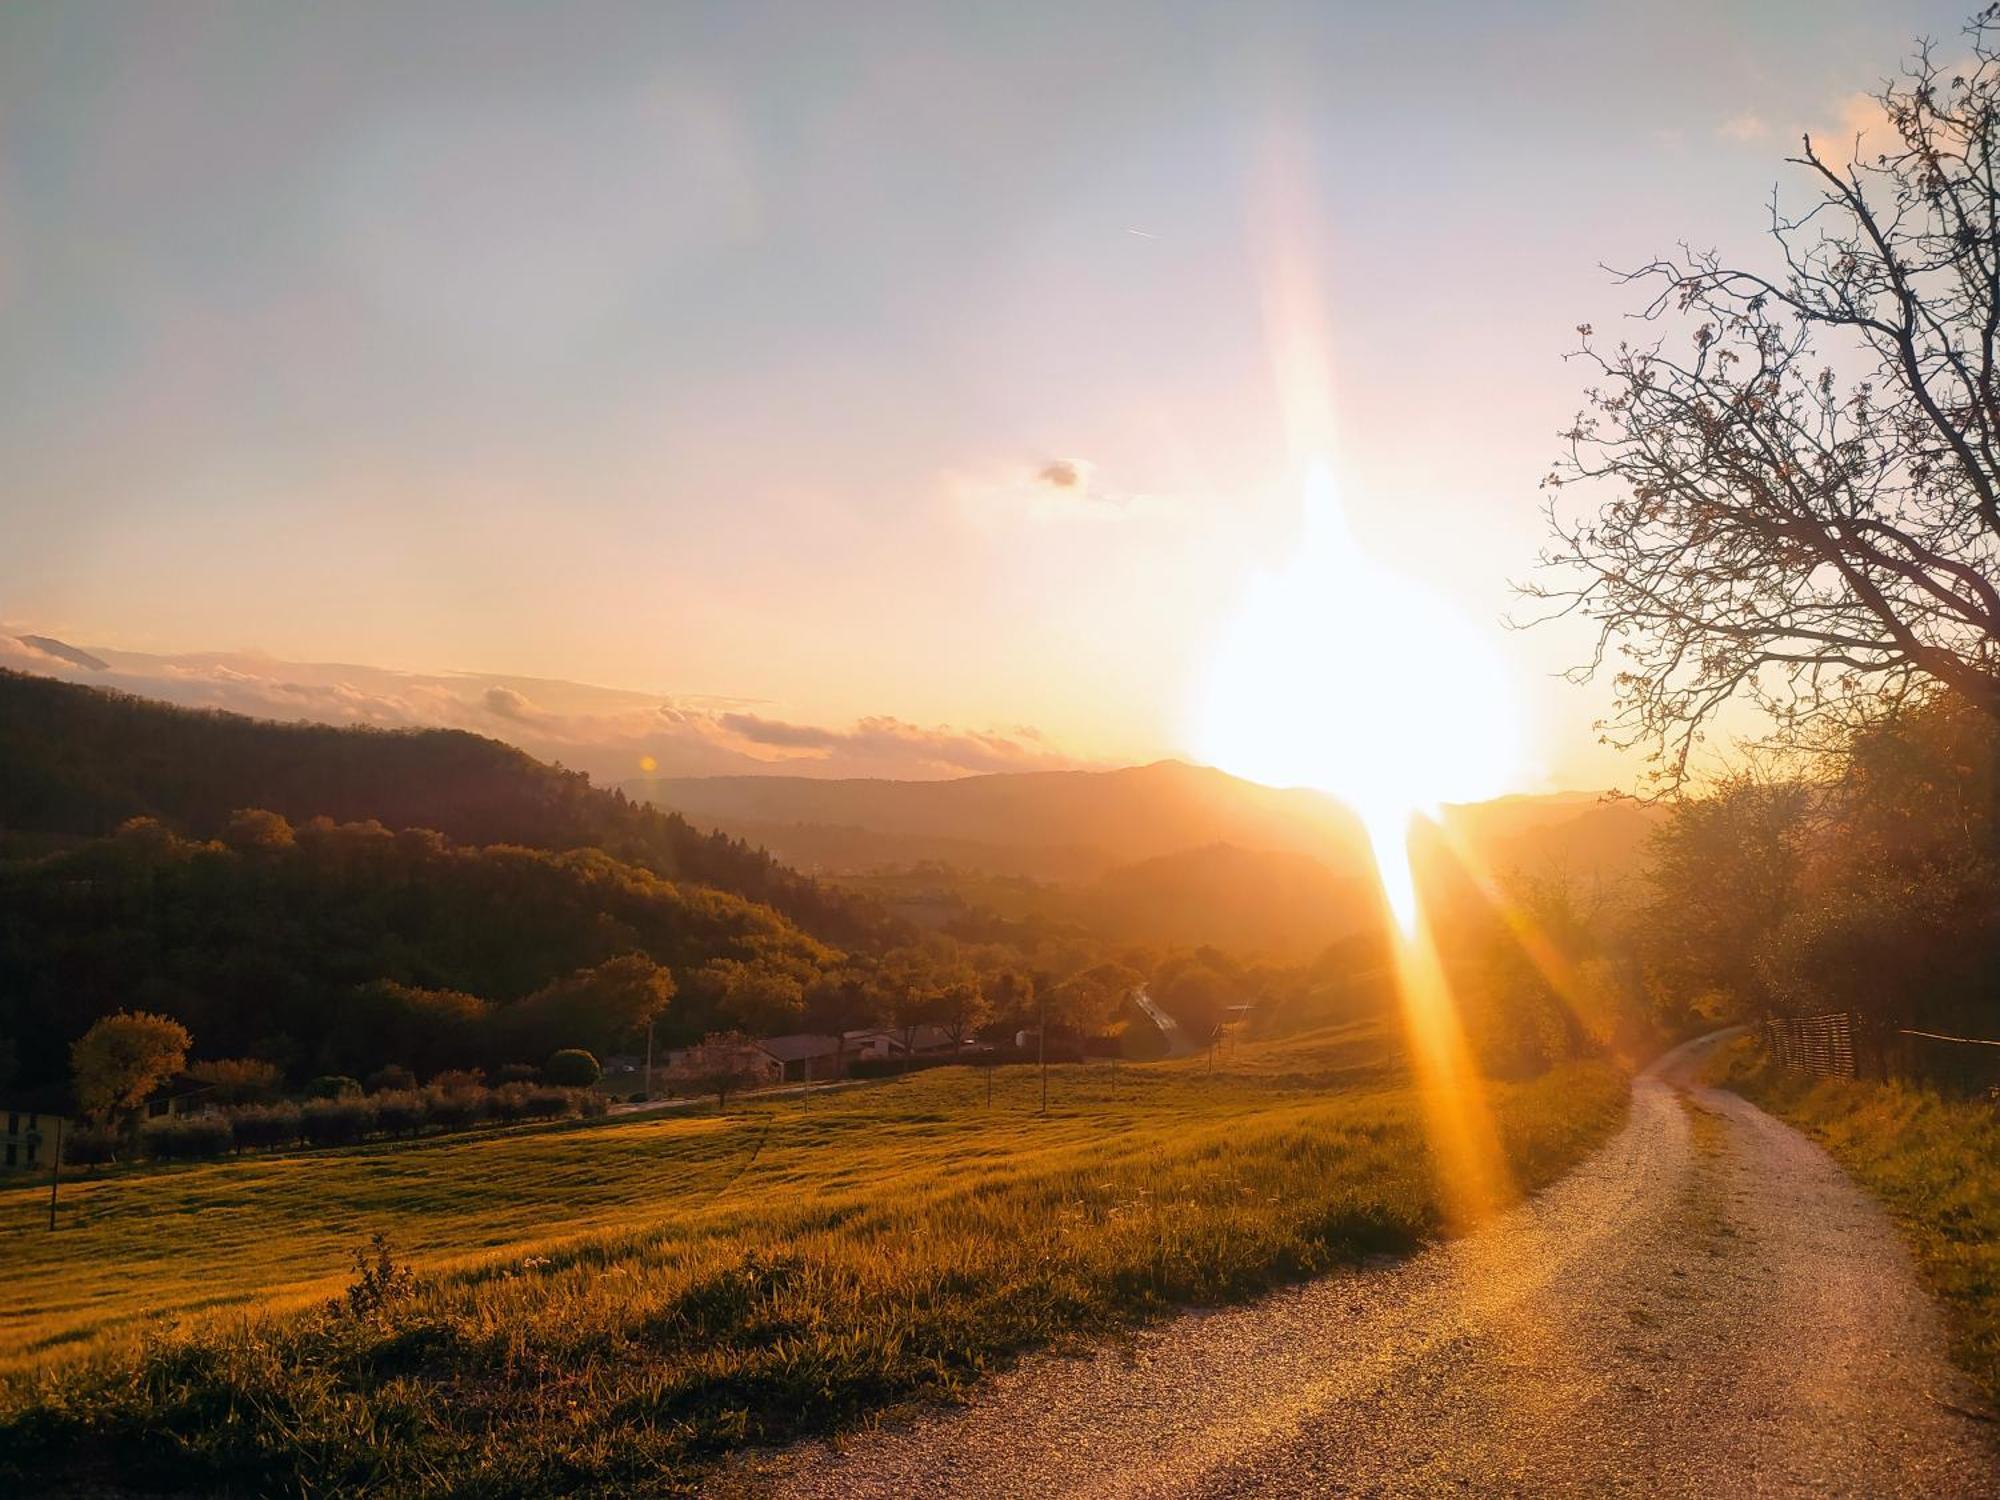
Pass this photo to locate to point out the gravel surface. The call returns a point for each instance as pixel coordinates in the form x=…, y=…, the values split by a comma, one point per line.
x=1706, y=1307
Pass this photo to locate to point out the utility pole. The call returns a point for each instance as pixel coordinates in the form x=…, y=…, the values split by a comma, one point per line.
x=1042, y=1044
x=55, y=1173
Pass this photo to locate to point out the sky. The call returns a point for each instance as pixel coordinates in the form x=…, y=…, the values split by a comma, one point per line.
x=931, y=366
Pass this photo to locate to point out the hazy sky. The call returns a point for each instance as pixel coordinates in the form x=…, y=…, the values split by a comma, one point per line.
x=718, y=349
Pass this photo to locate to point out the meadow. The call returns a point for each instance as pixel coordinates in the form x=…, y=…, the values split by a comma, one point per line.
x=1932, y=1161
x=612, y=1307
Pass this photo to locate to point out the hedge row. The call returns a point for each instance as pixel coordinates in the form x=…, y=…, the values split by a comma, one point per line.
x=338, y=1121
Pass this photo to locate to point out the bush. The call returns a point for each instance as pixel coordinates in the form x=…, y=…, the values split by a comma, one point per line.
x=403, y=1112
x=89, y=1146
x=546, y=1102
x=572, y=1068
x=184, y=1137
x=333, y=1086
x=337, y=1122
x=455, y=1109
x=591, y=1104
x=518, y=1073
x=456, y=1080
x=264, y=1127
x=394, y=1079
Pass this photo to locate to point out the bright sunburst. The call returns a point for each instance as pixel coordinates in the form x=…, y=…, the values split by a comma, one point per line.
x=1338, y=673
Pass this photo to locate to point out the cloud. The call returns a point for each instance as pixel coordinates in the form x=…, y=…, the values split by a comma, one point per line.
x=761, y=731
x=1056, y=491
x=612, y=734
x=888, y=742
x=509, y=704
x=1862, y=127
x=1746, y=127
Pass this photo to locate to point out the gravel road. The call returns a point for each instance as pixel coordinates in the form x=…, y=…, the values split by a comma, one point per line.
x=1706, y=1307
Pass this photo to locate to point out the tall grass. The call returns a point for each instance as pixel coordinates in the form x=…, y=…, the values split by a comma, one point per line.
x=1935, y=1165
x=673, y=1290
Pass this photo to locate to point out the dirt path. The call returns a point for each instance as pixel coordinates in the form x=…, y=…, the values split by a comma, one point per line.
x=1707, y=1307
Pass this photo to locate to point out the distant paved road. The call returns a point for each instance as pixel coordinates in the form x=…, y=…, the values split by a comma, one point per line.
x=1706, y=1308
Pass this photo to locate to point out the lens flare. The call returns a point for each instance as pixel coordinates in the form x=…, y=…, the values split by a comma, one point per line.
x=1339, y=674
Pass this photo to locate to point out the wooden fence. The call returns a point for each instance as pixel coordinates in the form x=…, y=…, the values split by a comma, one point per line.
x=1821, y=1045
x=1845, y=1045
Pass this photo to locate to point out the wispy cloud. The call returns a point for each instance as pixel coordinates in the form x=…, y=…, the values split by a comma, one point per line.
x=612, y=733
x=933, y=750
x=1746, y=127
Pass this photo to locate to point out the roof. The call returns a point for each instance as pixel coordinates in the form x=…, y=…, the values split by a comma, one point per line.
x=180, y=1084
x=926, y=1036
x=800, y=1045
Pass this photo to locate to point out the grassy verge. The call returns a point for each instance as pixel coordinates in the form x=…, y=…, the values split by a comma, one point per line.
x=667, y=1290
x=1933, y=1162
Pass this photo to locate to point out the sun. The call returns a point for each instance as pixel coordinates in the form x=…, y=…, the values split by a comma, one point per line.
x=1338, y=673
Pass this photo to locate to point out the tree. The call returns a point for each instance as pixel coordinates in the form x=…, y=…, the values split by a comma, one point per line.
x=720, y=1064
x=842, y=1001
x=424, y=1030
x=598, y=1007
x=963, y=1008
x=1089, y=1000
x=123, y=1058
x=759, y=998
x=1821, y=545
x=1724, y=875
x=572, y=1068
x=239, y=1080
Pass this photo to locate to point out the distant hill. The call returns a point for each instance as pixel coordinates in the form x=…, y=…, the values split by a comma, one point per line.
x=77, y=761
x=1076, y=827
x=1248, y=901
x=62, y=651
x=1581, y=834
x=1062, y=825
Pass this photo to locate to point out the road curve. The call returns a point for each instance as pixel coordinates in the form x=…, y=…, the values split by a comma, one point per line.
x=1706, y=1307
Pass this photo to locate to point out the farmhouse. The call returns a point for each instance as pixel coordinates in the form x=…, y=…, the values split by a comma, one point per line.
x=33, y=1122
x=803, y=1055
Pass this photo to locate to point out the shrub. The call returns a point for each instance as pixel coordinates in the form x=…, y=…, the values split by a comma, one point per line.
x=454, y=1080
x=394, y=1079
x=89, y=1146
x=572, y=1068
x=508, y=1102
x=518, y=1073
x=454, y=1109
x=337, y=1122
x=546, y=1102
x=403, y=1112
x=333, y=1086
x=184, y=1137
x=264, y=1127
x=591, y=1104
x=380, y=1281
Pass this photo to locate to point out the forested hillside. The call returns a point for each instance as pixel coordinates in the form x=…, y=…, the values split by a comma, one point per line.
x=343, y=948
x=78, y=761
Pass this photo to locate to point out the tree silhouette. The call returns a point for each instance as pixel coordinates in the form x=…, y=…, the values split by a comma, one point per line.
x=1804, y=496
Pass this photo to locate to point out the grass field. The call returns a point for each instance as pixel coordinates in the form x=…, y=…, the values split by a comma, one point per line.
x=1934, y=1163
x=610, y=1307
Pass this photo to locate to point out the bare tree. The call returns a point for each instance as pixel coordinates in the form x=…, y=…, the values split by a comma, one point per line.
x=1803, y=507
